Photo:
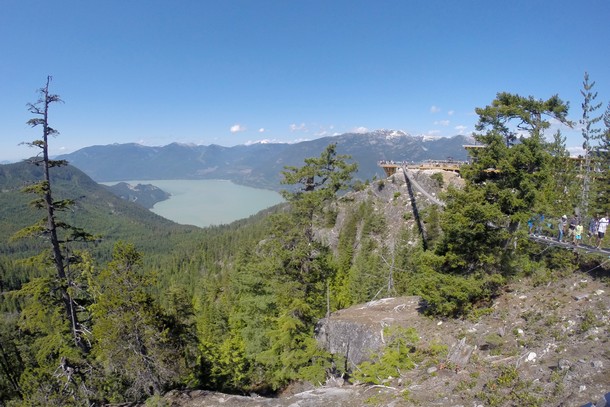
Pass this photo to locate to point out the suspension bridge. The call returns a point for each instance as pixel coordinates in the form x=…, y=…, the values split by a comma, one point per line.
x=391, y=168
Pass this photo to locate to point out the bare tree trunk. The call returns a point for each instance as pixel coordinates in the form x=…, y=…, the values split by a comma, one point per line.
x=58, y=257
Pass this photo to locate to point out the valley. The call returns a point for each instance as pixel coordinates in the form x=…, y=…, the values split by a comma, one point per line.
x=237, y=308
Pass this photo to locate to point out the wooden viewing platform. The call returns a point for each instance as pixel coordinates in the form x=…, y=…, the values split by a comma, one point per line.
x=390, y=167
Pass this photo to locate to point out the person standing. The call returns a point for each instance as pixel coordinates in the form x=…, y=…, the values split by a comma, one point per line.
x=592, y=232
x=572, y=227
x=561, y=226
x=577, y=234
x=601, y=230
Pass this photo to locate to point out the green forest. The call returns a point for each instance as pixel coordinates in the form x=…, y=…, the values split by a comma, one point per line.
x=97, y=312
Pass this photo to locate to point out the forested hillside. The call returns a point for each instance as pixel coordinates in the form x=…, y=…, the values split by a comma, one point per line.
x=95, y=208
x=145, y=195
x=104, y=302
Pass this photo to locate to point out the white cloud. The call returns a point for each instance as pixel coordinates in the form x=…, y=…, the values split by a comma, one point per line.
x=324, y=130
x=522, y=133
x=298, y=127
x=435, y=109
x=360, y=130
x=433, y=133
x=261, y=130
x=442, y=123
x=451, y=112
x=236, y=128
x=460, y=129
x=263, y=141
x=576, y=151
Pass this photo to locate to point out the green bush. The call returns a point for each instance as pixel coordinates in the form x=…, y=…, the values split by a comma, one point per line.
x=438, y=177
x=454, y=295
x=330, y=217
x=359, y=185
x=398, y=355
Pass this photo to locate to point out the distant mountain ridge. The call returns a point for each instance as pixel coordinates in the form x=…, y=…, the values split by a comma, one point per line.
x=259, y=164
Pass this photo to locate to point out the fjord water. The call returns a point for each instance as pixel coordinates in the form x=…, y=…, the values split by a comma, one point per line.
x=209, y=202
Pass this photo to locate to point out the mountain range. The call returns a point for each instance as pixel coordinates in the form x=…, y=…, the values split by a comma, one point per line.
x=260, y=164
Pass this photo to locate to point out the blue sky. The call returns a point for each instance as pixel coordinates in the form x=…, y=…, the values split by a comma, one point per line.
x=235, y=72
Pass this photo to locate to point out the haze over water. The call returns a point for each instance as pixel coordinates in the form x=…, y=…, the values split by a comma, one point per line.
x=209, y=202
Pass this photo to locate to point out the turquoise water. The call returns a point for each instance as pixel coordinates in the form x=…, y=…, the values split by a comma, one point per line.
x=209, y=202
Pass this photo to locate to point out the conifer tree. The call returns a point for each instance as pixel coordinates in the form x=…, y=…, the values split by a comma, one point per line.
x=562, y=191
x=589, y=134
x=136, y=343
x=509, y=115
x=50, y=226
x=11, y=365
x=55, y=312
x=601, y=182
x=285, y=282
x=504, y=184
x=317, y=184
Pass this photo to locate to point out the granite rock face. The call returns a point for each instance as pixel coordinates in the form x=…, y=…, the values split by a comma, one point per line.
x=357, y=332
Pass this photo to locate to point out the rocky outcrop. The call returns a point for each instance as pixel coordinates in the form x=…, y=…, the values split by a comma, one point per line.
x=357, y=332
x=553, y=346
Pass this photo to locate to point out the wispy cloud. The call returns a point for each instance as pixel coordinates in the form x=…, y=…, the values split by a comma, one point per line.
x=460, y=129
x=435, y=109
x=236, y=128
x=433, y=133
x=275, y=141
x=324, y=130
x=261, y=130
x=451, y=112
x=298, y=127
x=360, y=130
x=442, y=123
x=263, y=141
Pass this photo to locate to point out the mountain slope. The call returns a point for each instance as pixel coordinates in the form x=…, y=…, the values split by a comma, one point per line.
x=257, y=165
x=145, y=195
x=97, y=210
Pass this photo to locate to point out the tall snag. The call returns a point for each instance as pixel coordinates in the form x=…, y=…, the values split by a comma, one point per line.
x=49, y=226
